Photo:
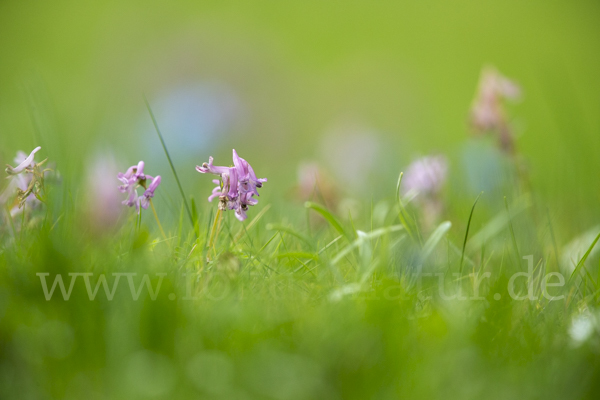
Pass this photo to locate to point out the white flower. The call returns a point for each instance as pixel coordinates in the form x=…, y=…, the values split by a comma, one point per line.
x=24, y=164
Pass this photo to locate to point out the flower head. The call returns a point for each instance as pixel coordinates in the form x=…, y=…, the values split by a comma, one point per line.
x=101, y=199
x=27, y=180
x=237, y=186
x=424, y=179
x=315, y=182
x=25, y=162
x=487, y=111
x=134, y=178
x=149, y=193
x=426, y=175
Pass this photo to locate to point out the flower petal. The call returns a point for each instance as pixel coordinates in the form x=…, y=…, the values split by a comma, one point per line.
x=26, y=163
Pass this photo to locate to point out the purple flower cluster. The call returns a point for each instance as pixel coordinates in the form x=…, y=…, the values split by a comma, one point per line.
x=426, y=175
x=237, y=186
x=133, y=178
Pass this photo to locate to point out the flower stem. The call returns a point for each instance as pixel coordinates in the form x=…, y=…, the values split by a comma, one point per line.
x=158, y=221
x=214, y=232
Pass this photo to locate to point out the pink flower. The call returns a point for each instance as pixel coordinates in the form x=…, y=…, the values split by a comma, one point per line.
x=236, y=187
x=132, y=179
x=487, y=111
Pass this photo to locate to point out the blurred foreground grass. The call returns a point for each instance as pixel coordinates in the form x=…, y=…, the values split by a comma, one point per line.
x=287, y=311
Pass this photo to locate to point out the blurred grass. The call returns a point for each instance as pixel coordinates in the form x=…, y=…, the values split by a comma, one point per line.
x=407, y=69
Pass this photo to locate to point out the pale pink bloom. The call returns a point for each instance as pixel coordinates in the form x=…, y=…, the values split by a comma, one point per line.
x=487, y=111
x=426, y=176
x=102, y=203
x=424, y=179
x=134, y=178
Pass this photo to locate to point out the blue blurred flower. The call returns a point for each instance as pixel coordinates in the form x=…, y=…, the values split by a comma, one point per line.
x=193, y=116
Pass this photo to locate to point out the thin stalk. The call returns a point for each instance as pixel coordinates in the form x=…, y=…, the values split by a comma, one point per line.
x=157, y=220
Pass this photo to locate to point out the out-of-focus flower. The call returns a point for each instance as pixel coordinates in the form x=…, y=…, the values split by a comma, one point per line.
x=102, y=200
x=487, y=111
x=351, y=151
x=24, y=162
x=315, y=183
x=26, y=184
x=194, y=115
x=426, y=176
x=424, y=180
x=237, y=186
x=134, y=178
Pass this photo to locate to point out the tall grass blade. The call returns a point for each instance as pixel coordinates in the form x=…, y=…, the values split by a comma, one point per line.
x=162, y=141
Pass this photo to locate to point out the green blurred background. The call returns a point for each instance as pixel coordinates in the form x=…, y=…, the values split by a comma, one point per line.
x=287, y=73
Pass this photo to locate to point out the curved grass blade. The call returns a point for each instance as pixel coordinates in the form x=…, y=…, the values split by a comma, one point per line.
x=367, y=236
x=328, y=217
x=497, y=224
x=462, y=255
x=584, y=258
x=434, y=239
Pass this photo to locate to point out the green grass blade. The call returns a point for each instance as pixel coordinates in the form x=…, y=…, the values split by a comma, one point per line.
x=496, y=225
x=195, y=217
x=162, y=141
x=584, y=258
x=434, y=239
x=367, y=236
x=328, y=217
x=298, y=254
x=462, y=255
